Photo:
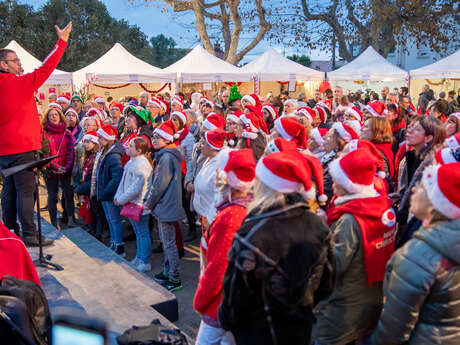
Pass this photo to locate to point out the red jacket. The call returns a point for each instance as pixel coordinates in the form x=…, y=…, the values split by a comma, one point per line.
x=20, y=129
x=14, y=257
x=215, y=245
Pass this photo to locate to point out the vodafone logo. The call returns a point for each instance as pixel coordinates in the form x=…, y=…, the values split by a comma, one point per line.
x=389, y=218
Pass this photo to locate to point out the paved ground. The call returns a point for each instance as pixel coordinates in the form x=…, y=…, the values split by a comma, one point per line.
x=188, y=319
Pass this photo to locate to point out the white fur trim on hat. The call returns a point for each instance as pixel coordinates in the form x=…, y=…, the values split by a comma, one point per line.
x=341, y=177
x=250, y=99
x=233, y=118
x=354, y=113
x=181, y=116
x=338, y=126
x=436, y=196
x=447, y=156
x=316, y=136
x=208, y=125
x=275, y=182
x=71, y=110
x=63, y=99
x=279, y=127
x=249, y=135
x=99, y=100
x=92, y=138
x=236, y=183
x=178, y=102
x=105, y=135
x=163, y=134
x=371, y=110
x=457, y=115
x=54, y=104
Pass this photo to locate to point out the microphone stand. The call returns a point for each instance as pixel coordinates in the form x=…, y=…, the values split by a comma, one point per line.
x=36, y=166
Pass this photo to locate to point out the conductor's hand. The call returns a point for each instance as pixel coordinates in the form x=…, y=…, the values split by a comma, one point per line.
x=64, y=33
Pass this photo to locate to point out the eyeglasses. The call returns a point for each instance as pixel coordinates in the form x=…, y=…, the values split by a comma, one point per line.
x=13, y=60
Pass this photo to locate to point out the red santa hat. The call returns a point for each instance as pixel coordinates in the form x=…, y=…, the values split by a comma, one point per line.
x=291, y=129
x=447, y=155
x=163, y=105
x=376, y=108
x=365, y=144
x=322, y=113
x=71, y=110
x=181, y=115
x=55, y=105
x=116, y=105
x=271, y=109
x=344, y=131
x=216, y=138
x=355, y=172
x=166, y=130
x=207, y=101
x=290, y=171
x=108, y=132
x=253, y=99
x=99, y=99
x=213, y=121
x=307, y=112
x=442, y=183
x=453, y=140
x=280, y=145
x=355, y=112
x=178, y=100
x=251, y=124
x=317, y=135
x=238, y=167
x=457, y=115
x=355, y=124
x=63, y=98
x=235, y=116
x=95, y=112
x=91, y=136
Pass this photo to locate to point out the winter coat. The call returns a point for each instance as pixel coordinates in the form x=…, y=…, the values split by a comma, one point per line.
x=165, y=193
x=83, y=187
x=424, y=99
x=422, y=290
x=109, y=172
x=186, y=146
x=60, y=142
x=134, y=184
x=197, y=162
x=215, y=244
x=205, y=190
x=299, y=242
x=352, y=310
x=20, y=129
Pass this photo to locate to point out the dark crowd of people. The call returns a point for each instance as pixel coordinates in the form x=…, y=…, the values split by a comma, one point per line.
x=331, y=221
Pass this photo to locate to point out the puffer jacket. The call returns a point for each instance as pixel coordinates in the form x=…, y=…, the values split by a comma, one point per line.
x=165, y=192
x=422, y=290
x=300, y=243
x=352, y=310
x=109, y=172
x=135, y=182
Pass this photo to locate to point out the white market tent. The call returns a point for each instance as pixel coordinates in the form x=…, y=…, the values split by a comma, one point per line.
x=30, y=63
x=199, y=66
x=368, y=66
x=272, y=66
x=119, y=66
x=449, y=67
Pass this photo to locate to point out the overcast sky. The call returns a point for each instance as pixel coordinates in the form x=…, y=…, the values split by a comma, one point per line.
x=172, y=25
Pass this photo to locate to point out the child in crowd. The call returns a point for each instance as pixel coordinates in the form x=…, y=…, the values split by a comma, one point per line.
x=106, y=177
x=132, y=190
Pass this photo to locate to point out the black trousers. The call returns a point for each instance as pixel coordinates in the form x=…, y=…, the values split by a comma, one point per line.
x=52, y=185
x=18, y=193
x=99, y=223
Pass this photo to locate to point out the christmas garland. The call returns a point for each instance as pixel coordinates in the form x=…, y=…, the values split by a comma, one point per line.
x=286, y=82
x=232, y=83
x=432, y=83
x=141, y=85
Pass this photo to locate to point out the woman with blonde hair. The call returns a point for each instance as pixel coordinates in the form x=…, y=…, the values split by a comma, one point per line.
x=59, y=141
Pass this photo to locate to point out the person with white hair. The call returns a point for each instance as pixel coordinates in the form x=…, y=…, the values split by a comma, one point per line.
x=290, y=106
x=143, y=99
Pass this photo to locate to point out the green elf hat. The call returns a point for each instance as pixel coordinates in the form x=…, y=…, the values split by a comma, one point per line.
x=234, y=94
x=142, y=113
x=76, y=95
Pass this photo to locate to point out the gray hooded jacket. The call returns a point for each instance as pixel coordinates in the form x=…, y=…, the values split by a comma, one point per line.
x=422, y=290
x=165, y=194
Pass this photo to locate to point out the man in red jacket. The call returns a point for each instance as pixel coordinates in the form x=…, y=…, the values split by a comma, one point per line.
x=21, y=133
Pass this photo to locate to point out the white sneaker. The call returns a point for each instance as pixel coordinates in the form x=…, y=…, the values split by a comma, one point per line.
x=134, y=262
x=142, y=267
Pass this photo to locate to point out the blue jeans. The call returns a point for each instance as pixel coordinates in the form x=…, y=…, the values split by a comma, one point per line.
x=143, y=243
x=112, y=213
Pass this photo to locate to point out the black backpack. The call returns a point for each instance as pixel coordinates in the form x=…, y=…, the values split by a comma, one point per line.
x=24, y=309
